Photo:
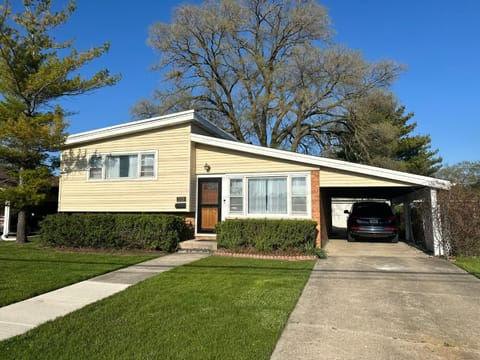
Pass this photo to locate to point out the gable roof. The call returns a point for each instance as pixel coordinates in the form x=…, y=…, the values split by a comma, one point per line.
x=147, y=124
x=323, y=162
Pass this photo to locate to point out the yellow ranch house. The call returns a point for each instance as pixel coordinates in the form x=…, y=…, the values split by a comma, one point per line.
x=183, y=164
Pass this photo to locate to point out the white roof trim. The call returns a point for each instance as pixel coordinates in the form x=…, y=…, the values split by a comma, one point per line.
x=144, y=125
x=323, y=162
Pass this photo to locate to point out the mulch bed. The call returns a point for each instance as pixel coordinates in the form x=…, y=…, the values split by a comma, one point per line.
x=223, y=252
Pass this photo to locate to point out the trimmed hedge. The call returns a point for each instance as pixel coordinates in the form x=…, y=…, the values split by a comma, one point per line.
x=267, y=235
x=118, y=231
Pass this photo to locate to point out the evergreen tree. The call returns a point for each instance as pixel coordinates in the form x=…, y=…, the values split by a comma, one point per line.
x=35, y=71
x=376, y=131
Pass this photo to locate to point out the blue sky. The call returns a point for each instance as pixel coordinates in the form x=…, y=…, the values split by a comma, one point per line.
x=438, y=41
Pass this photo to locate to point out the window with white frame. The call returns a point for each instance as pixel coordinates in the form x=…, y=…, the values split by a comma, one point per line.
x=299, y=195
x=95, y=167
x=236, y=196
x=285, y=195
x=122, y=166
x=147, y=166
x=267, y=195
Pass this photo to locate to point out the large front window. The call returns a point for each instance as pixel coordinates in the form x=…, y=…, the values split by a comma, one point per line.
x=281, y=196
x=267, y=196
x=121, y=166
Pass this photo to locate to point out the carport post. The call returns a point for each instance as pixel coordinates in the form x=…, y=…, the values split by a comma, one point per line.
x=436, y=229
x=408, y=220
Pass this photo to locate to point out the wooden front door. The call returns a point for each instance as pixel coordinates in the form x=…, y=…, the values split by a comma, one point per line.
x=209, y=204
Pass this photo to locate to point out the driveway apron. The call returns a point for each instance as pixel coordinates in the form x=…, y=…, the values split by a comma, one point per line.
x=372, y=300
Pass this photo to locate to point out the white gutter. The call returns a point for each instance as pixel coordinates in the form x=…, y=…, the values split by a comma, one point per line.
x=323, y=162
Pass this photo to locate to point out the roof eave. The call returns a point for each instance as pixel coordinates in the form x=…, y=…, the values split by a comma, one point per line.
x=145, y=125
x=325, y=162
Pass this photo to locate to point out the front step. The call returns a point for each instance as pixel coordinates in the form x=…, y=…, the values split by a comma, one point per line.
x=201, y=246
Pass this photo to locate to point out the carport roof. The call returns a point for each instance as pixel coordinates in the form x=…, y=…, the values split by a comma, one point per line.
x=415, y=180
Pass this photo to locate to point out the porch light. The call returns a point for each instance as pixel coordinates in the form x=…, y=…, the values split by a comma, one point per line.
x=207, y=167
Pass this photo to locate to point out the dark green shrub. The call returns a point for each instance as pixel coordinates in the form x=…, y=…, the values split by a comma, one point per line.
x=118, y=231
x=266, y=235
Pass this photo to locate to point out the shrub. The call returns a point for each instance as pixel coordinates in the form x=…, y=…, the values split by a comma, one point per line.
x=118, y=231
x=460, y=220
x=267, y=235
x=458, y=213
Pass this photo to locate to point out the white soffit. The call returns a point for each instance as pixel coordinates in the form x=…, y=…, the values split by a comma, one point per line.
x=323, y=162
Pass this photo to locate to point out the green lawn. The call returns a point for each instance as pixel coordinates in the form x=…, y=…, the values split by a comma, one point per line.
x=470, y=264
x=26, y=270
x=215, y=308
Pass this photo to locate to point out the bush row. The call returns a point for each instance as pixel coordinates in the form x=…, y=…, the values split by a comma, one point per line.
x=267, y=235
x=118, y=231
x=459, y=211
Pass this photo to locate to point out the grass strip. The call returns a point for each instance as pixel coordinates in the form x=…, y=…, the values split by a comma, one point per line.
x=27, y=271
x=470, y=264
x=215, y=308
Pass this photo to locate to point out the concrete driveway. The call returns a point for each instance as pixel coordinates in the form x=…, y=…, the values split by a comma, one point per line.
x=384, y=301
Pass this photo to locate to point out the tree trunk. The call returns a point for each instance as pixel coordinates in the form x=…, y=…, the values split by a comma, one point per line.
x=22, y=227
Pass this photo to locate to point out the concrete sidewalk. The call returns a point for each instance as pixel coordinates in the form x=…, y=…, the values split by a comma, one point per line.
x=383, y=301
x=20, y=317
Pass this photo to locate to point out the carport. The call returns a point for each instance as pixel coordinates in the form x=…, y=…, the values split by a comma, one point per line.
x=355, y=181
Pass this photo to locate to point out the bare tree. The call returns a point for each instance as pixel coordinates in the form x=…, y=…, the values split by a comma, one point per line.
x=465, y=173
x=265, y=71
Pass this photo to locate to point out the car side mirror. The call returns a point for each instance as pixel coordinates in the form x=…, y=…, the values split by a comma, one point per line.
x=346, y=212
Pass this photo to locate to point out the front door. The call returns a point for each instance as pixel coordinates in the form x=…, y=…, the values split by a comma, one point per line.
x=209, y=204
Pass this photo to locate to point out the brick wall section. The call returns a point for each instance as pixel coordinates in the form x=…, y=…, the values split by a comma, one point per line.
x=315, y=195
x=190, y=219
x=325, y=213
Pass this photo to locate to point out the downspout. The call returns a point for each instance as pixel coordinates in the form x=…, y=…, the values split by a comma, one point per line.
x=6, y=223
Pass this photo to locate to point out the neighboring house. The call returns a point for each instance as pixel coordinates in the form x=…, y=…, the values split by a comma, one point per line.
x=8, y=215
x=185, y=165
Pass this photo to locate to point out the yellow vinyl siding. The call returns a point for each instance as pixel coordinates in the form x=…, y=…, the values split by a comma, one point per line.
x=173, y=149
x=339, y=178
x=224, y=161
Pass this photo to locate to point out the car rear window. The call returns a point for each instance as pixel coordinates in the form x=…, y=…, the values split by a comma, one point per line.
x=372, y=210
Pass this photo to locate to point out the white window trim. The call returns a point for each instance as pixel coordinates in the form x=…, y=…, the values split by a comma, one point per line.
x=224, y=194
x=123, y=153
x=226, y=214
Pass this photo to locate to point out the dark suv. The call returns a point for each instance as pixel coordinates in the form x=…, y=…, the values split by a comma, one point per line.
x=371, y=219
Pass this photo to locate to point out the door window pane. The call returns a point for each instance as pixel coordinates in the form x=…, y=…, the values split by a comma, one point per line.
x=210, y=193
